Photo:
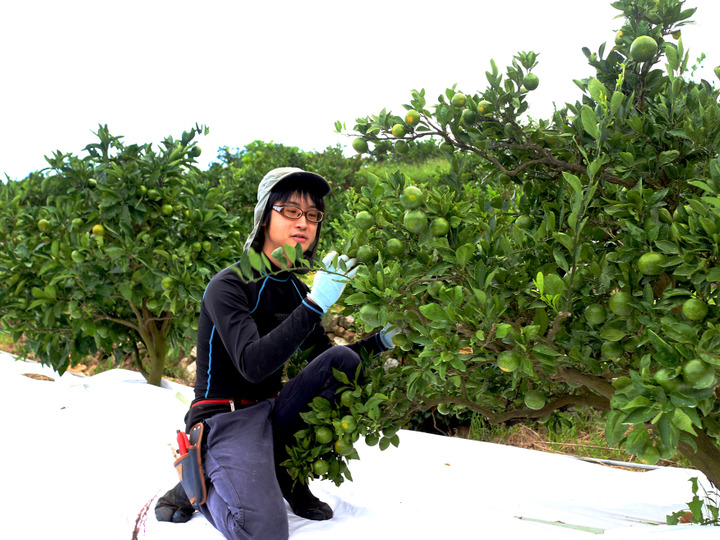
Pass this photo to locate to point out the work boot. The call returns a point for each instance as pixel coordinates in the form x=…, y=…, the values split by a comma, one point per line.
x=174, y=506
x=301, y=500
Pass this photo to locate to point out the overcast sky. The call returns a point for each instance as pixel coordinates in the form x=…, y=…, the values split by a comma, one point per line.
x=281, y=71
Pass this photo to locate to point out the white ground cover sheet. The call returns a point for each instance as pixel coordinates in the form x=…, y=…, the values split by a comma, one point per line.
x=82, y=455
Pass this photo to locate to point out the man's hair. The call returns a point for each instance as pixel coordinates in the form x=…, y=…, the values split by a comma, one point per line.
x=283, y=195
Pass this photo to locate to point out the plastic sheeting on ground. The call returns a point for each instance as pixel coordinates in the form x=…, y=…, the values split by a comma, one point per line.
x=82, y=456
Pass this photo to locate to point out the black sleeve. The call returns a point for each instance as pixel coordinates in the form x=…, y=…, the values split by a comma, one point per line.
x=255, y=357
x=371, y=345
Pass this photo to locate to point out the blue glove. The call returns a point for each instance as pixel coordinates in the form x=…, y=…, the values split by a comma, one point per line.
x=387, y=334
x=328, y=284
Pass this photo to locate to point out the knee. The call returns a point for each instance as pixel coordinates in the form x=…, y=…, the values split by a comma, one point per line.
x=346, y=360
x=270, y=524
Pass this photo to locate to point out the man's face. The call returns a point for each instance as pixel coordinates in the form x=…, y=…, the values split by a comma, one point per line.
x=282, y=230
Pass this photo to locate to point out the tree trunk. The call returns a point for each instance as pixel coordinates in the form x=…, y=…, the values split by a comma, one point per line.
x=157, y=356
x=706, y=459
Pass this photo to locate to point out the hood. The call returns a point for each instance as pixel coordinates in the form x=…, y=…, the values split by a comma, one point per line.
x=285, y=177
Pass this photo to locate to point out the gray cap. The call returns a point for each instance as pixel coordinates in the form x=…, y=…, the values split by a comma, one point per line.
x=282, y=177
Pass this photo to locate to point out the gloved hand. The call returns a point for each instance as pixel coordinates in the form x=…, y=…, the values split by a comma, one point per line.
x=328, y=284
x=388, y=333
x=174, y=506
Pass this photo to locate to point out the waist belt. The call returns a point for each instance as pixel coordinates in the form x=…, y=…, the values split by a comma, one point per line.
x=229, y=402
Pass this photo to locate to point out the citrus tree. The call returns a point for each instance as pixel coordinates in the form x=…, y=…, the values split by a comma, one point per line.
x=577, y=266
x=110, y=253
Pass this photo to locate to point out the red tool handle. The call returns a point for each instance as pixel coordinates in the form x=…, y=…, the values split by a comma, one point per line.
x=182, y=441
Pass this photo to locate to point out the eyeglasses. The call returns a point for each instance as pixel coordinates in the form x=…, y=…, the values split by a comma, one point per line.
x=293, y=212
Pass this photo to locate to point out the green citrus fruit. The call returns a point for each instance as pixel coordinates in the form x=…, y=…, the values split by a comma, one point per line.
x=444, y=408
x=43, y=224
x=716, y=69
x=77, y=222
x=412, y=197
x=412, y=118
x=153, y=194
x=531, y=81
x=595, y=314
x=524, y=222
x=343, y=446
x=142, y=190
x=364, y=220
x=643, y=48
x=365, y=254
x=348, y=423
x=699, y=374
x=469, y=117
x=323, y=435
x=534, y=400
x=447, y=147
x=167, y=209
x=619, y=303
x=649, y=263
x=484, y=108
x=394, y=247
x=360, y=145
x=98, y=230
x=402, y=341
x=618, y=37
x=194, y=152
x=398, y=131
x=459, y=100
x=649, y=454
x=439, y=226
x=77, y=257
x=508, y=360
x=415, y=221
x=695, y=309
x=612, y=350
x=667, y=379
x=92, y=182
x=207, y=245
x=321, y=467
x=167, y=282
x=402, y=147
x=371, y=439
x=347, y=398
x=369, y=315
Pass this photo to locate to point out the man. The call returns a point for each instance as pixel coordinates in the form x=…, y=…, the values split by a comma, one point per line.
x=247, y=331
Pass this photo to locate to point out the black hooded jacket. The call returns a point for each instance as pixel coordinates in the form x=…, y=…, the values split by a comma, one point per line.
x=246, y=333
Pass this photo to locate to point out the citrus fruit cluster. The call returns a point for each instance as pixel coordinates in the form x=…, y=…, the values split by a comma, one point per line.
x=323, y=449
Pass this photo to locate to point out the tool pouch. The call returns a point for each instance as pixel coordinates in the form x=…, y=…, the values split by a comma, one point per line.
x=189, y=467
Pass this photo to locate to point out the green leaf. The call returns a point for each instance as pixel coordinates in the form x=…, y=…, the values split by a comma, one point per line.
x=574, y=182
x=612, y=334
x=597, y=90
x=616, y=101
x=356, y=299
x=589, y=122
x=614, y=427
x=464, y=253
x=434, y=312
x=669, y=434
x=683, y=421
x=667, y=157
x=255, y=260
